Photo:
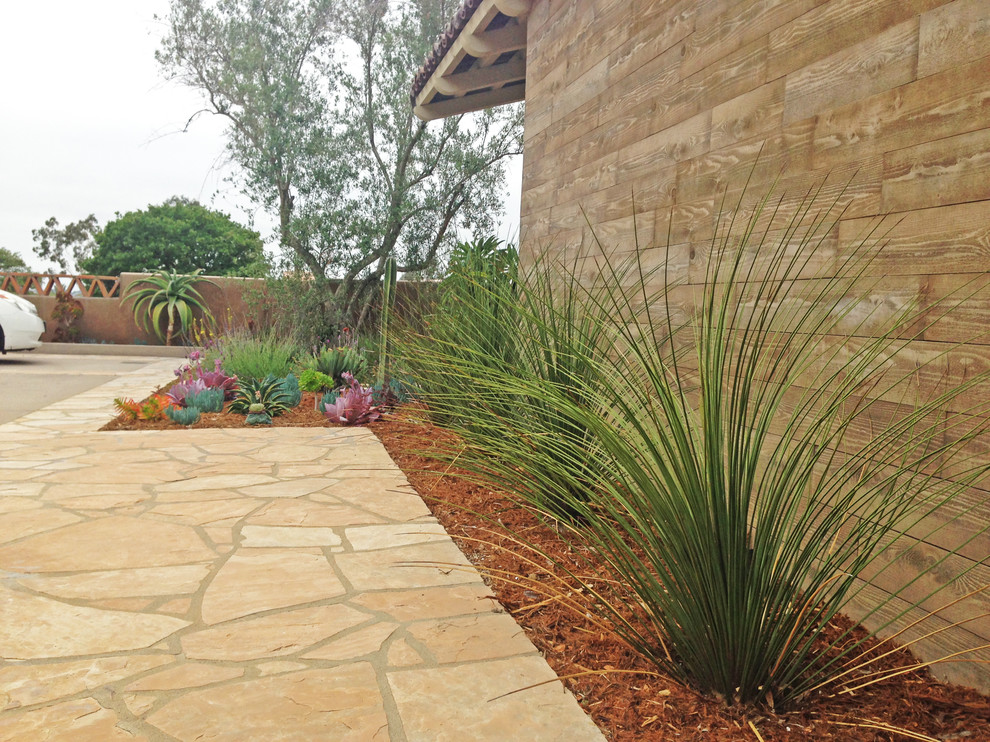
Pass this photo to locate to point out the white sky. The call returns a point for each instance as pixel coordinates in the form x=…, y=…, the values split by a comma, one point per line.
x=88, y=125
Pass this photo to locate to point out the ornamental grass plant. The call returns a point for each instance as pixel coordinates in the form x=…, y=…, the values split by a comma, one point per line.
x=254, y=356
x=745, y=466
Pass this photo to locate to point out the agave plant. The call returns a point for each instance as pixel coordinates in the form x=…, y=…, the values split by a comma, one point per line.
x=353, y=406
x=335, y=362
x=267, y=392
x=166, y=298
x=756, y=458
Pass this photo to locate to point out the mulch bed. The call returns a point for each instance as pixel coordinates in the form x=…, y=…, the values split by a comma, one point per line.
x=629, y=701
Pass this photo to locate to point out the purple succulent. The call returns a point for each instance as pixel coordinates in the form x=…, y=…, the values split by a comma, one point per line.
x=215, y=379
x=353, y=406
x=183, y=389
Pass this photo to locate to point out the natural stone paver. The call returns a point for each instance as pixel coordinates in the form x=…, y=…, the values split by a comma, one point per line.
x=83, y=720
x=18, y=525
x=339, y=704
x=462, y=704
x=368, y=538
x=27, y=685
x=280, y=634
x=116, y=542
x=243, y=584
x=421, y=565
x=36, y=628
x=260, y=580
x=355, y=644
x=255, y=536
x=121, y=583
x=465, y=639
x=189, y=675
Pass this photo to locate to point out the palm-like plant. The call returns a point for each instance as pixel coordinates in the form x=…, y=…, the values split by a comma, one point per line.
x=166, y=298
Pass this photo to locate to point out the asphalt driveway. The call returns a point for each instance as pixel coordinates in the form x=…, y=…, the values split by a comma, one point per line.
x=30, y=381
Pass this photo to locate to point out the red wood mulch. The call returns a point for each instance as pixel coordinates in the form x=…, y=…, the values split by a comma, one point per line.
x=627, y=706
x=641, y=707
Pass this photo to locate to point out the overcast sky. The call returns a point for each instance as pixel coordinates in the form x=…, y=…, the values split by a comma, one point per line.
x=88, y=125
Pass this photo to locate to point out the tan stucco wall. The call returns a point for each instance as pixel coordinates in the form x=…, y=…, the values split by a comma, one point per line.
x=648, y=109
x=233, y=302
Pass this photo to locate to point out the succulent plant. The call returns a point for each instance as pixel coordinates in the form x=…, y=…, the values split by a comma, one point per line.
x=290, y=385
x=267, y=392
x=180, y=392
x=353, y=406
x=257, y=415
x=183, y=415
x=335, y=362
x=206, y=400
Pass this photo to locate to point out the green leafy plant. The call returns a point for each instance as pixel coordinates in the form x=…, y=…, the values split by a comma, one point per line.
x=335, y=362
x=255, y=356
x=183, y=415
x=167, y=299
x=267, y=392
x=312, y=380
x=485, y=329
x=752, y=461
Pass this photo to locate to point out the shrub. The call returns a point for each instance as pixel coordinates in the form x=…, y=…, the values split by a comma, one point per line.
x=170, y=299
x=152, y=408
x=253, y=357
x=725, y=476
x=312, y=380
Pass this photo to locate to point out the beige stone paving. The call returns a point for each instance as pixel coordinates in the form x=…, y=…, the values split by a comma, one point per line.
x=243, y=585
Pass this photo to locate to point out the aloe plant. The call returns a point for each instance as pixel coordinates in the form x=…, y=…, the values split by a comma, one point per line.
x=742, y=476
x=166, y=299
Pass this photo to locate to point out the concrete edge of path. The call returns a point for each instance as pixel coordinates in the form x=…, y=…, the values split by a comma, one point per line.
x=109, y=349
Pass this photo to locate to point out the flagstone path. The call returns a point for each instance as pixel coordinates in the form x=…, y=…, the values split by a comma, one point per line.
x=279, y=584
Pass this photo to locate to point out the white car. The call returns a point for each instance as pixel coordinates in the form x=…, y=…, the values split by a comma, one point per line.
x=20, y=325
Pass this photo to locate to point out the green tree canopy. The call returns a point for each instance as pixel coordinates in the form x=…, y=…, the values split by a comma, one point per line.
x=66, y=247
x=179, y=236
x=11, y=261
x=323, y=133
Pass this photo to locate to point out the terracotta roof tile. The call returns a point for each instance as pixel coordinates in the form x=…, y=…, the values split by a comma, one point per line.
x=442, y=45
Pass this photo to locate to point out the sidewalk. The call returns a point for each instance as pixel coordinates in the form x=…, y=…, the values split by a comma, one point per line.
x=242, y=585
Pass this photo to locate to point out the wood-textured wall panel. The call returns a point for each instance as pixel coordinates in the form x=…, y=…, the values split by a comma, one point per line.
x=647, y=118
x=953, y=35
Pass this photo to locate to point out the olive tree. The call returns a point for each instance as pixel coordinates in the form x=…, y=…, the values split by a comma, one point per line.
x=322, y=132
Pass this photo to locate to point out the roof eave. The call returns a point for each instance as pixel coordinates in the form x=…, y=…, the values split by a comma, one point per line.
x=480, y=62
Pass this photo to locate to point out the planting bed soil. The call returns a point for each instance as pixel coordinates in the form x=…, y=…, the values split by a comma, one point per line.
x=625, y=696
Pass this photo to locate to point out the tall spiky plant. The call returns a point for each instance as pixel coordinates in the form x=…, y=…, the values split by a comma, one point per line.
x=748, y=475
x=169, y=299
